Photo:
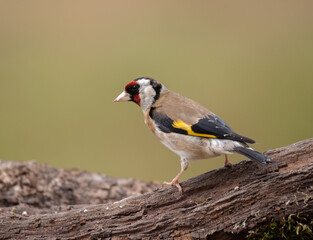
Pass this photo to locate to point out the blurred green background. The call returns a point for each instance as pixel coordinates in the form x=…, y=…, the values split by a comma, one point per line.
x=63, y=62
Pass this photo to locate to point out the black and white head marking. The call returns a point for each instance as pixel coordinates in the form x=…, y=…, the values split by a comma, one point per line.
x=149, y=91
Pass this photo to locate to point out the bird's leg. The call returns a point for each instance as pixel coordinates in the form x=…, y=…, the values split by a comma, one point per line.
x=184, y=166
x=175, y=182
x=227, y=163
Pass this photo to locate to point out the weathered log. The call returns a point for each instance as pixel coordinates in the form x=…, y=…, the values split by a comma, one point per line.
x=42, y=186
x=221, y=204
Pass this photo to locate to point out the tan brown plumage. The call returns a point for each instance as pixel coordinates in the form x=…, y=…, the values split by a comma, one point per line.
x=187, y=110
x=186, y=127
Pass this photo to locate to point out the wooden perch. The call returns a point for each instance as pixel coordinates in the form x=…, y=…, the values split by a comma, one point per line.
x=42, y=186
x=222, y=204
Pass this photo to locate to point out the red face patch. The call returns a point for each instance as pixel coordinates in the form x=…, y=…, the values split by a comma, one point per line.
x=137, y=99
x=132, y=89
x=132, y=83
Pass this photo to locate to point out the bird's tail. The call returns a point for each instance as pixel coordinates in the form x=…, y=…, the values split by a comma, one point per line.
x=253, y=155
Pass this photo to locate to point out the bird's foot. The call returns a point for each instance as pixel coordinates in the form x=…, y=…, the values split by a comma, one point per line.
x=176, y=183
x=227, y=163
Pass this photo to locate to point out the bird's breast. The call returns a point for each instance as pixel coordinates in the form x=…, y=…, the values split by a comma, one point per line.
x=187, y=147
x=149, y=122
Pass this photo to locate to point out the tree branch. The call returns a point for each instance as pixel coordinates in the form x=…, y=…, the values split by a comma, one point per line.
x=221, y=204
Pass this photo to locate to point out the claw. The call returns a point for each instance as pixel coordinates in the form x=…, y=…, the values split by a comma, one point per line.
x=184, y=165
x=176, y=183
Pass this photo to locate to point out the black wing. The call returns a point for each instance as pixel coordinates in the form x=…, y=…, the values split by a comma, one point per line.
x=209, y=127
x=215, y=126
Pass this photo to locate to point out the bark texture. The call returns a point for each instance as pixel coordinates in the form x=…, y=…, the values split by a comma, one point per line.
x=42, y=186
x=40, y=202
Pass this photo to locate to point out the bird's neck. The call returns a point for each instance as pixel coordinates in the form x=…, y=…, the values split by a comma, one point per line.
x=147, y=98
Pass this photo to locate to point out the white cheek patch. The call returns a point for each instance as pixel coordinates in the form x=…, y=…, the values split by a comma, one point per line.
x=149, y=92
x=147, y=97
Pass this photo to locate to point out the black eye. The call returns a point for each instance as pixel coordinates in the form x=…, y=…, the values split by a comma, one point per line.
x=133, y=89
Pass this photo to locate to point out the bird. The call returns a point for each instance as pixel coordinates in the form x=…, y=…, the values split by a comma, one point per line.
x=186, y=127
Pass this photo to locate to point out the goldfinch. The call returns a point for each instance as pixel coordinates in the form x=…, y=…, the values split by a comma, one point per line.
x=185, y=127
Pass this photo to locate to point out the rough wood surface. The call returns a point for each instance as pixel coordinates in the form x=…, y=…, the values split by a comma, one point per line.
x=42, y=186
x=221, y=204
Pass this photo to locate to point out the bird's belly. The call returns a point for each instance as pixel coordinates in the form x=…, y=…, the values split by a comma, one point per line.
x=191, y=147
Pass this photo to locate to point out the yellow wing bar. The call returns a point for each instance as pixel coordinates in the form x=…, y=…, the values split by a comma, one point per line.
x=187, y=127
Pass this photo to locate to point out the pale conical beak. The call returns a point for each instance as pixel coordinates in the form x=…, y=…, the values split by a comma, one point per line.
x=123, y=97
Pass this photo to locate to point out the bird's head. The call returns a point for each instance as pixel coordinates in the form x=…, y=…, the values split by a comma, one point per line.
x=143, y=91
